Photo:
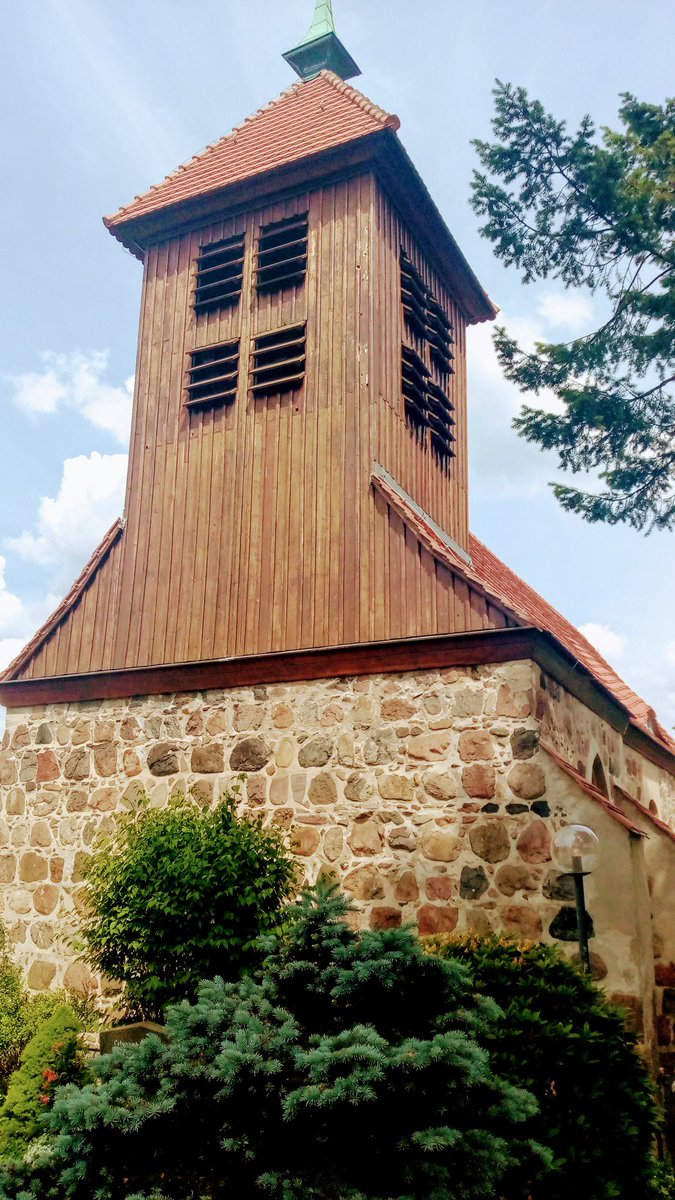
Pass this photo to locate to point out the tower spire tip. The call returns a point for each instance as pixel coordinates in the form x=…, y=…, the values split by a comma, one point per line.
x=321, y=48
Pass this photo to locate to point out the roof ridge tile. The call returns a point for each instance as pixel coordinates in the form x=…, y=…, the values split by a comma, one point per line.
x=389, y=120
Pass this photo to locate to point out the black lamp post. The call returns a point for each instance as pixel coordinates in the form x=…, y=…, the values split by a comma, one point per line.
x=575, y=850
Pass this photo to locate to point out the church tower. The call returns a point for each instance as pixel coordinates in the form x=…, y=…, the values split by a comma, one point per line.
x=300, y=391
x=293, y=590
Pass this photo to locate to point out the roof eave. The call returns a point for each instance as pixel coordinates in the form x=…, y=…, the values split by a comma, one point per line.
x=383, y=151
x=138, y=233
x=422, y=212
x=407, y=654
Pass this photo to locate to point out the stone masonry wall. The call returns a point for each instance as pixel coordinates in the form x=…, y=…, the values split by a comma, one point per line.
x=579, y=735
x=425, y=793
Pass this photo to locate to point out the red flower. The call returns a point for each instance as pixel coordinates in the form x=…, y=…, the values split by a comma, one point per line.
x=49, y=1075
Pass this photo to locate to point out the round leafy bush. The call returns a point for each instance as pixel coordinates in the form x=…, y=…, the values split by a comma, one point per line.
x=180, y=894
x=346, y=1068
x=567, y=1045
x=51, y=1058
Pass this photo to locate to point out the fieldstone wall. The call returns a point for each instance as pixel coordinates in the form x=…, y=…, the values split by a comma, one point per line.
x=427, y=795
x=579, y=735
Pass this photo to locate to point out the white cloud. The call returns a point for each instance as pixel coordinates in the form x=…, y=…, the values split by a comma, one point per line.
x=502, y=463
x=70, y=525
x=9, y=648
x=566, y=311
x=11, y=607
x=610, y=644
x=76, y=381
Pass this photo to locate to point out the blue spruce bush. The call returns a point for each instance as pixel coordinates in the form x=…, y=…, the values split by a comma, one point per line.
x=347, y=1068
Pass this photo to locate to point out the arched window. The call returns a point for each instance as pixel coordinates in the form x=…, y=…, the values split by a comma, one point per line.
x=598, y=777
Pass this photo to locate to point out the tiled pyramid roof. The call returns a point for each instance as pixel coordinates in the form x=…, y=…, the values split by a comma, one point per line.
x=308, y=118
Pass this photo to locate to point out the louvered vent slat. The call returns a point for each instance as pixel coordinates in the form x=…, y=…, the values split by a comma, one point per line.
x=220, y=271
x=213, y=374
x=278, y=360
x=426, y=368
x=413, y=295
x=281, y=261
x=414, y=376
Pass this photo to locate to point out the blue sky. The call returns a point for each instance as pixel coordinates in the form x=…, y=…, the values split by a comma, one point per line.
x=102, y=100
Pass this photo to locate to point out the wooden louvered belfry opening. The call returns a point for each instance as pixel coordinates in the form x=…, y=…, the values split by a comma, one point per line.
x=413, y=298
x=426, y=363
x=220, y=271
x=415, y=383
x=281, y=259
x=213, y=374
x=439, y=337
x=278, y=360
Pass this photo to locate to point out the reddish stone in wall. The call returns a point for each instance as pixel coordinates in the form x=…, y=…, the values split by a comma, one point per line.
x=382, y=917
x=475, y=744
x=431, y=918
x=440, y=887
x=534, y=845
x=479, y=780
x=664, y=974
x=47, y=767
x=523, y=921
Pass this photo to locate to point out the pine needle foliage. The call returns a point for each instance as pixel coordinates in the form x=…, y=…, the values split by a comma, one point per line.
x=596, y=212
x=180, y=894
x=347, y=1068
x=566, y=1044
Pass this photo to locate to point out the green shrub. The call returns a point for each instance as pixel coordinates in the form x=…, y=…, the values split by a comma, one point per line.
x=567, y=1045
x=21, y=1014
x=347, y=1067
x=52, y=1057
x=180, y=894
x=665, y=1181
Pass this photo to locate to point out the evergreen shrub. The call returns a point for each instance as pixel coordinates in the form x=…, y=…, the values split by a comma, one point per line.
x=51, y=1058
x=180, y=894
x=346, y=1068
x=569, y=1047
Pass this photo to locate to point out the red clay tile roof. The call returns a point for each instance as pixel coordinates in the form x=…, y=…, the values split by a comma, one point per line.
x=501, y=585
x=308, y=118
x=505, y=585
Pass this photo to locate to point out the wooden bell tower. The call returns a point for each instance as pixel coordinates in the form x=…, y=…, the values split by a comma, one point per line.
x=299, y=438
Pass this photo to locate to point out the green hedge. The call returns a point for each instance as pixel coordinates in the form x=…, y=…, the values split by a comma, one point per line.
x=567, y=1045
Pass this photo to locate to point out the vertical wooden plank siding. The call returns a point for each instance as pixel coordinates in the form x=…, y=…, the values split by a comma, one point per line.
x=253, y=527
x=84, y=640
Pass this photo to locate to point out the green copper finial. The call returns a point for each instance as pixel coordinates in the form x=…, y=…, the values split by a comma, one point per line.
x=323, y=23
x=321, y=49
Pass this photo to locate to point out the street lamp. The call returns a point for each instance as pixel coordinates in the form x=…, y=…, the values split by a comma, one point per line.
x=575, y=849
